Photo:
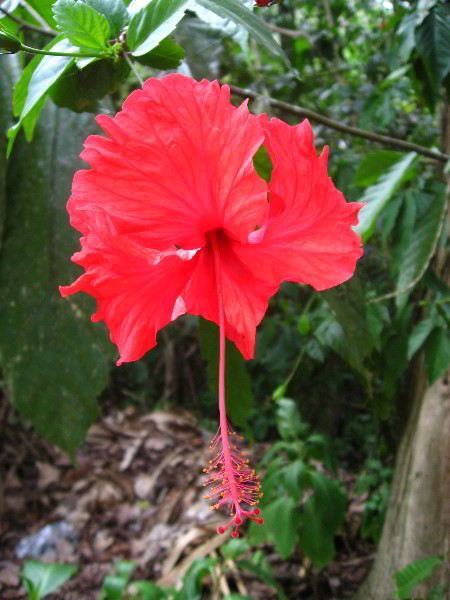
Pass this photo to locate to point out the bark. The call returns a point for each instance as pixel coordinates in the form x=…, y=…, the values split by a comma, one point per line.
x=417, y=522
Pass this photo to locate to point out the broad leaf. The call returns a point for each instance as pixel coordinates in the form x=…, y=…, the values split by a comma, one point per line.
x=377, y=196
x=153, y=23
x=47, y=577
x=53, y=358
x=262, y=163
x=225, y=26
x=33, y=86
x=408, y=578
x=82, y=25
x=167, y=55
x=419, y=335
x=280, y=521
x=44, y=8
x=433, y=44
x=238, y=389
x=114, y=11
x=417, y=254
x=374, y=165
x=437, y=353
x=237, y=12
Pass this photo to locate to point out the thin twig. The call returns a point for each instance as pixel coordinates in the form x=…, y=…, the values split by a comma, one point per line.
x=133, y=68
x=418, y=277
x=283, y=31
x=29, y=26
x=355, y=131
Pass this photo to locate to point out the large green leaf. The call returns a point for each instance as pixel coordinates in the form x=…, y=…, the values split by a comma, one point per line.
x=377, y=196
x=34, y=84
x=237, y=12
x=82, y=25
x=153, y=23
x=47, y=577
x=408, y=578
x=374, y=165
x=417, y=254
x=225, y=26
x=53, y=358
x=44, y=8
x=437, y=353
x=280, y=522
x=167, y=55
x=433, y=44
x=114, y=11
x=238, y=389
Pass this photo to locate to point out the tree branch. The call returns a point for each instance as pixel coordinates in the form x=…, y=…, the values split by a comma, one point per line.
x=283, y=31
x=355, y=131
x=29, y=26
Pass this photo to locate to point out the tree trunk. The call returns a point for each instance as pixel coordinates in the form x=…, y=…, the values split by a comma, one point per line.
x=417, y=522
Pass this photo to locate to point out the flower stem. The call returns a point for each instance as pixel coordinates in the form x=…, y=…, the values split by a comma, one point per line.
x=31, y=50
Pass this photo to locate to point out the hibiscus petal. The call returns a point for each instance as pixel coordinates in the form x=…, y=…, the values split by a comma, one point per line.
x=310, y=240
x=136, y=289
x=181, y=156
x=245, y=298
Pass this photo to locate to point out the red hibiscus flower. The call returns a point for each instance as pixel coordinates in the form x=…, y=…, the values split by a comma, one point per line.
x=176, y=220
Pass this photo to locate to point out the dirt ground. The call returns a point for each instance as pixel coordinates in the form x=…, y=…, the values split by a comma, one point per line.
x=135, y=493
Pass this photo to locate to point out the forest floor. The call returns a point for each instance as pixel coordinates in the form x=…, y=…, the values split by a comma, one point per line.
x=135, y=493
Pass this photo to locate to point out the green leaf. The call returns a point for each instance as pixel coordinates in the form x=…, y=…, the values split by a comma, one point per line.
x=419, y=335
x=79, y=90
x=44, y=8
x=153, y=23
x=33, y=86
x=295, y=478
x=82, y=25
x=167, y=55
x=199, y=569
x=56, y=362
x=235, y=548
x=289, y=422
x=47, y=577
x=9, y=67
x=114, y=586
x=237, y=12
x=433, y=44
x=225, y=26
x=280, y=521
x=374, y=165
x=150, y=591
x=9, y=42
x=377, y=196
x=408, y=578
x=437, y=353
x=348, y=304
x=114, y=11
x=238, y=389
x=418, y=253
x=262, y=163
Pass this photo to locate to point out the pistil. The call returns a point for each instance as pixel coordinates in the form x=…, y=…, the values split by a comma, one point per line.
x=235, y=483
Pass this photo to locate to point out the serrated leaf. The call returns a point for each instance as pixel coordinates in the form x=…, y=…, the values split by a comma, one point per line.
x=437, y=353
x=167, y=55
x=417, y=253
x=56, y=363
x=47, y=577
x=82, y=25
x=237, y=12
x=408, y=578
x=433, y=44
x=153, y=23
x=33, y=86
x=238, y=389
x=114, y=11
x=376, y=196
